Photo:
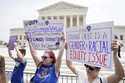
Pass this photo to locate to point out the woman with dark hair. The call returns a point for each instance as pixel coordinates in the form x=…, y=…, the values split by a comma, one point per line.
x=2, y=70
x=17, y=74
x=48, y=67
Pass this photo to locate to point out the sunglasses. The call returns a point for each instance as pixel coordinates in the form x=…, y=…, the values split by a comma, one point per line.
x=44, y=57
x=92, y=68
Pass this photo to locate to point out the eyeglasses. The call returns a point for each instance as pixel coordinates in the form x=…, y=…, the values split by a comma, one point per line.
x=92, y=68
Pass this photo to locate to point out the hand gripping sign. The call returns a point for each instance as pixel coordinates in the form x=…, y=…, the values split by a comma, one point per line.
x=44, y=34
x=91, y=45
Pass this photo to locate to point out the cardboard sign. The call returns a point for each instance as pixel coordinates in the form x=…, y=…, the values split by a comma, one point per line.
x=12, y=41
x=44, y=34
x=91, y=45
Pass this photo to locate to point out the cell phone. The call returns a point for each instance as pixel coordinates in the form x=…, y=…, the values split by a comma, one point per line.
x=119, y=48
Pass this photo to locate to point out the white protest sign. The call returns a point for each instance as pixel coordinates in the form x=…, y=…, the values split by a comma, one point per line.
x=12, y=42
x=44, y=34
x=91, y=44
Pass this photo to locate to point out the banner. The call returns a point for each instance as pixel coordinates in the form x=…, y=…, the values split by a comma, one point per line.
x=91, y=45
x=44, y=34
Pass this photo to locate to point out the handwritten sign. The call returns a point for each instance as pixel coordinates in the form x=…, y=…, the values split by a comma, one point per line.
x=44, y=34
x=12, y=41
x=91, y=45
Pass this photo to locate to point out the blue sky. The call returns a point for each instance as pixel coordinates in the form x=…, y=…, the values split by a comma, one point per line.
x=13, y=13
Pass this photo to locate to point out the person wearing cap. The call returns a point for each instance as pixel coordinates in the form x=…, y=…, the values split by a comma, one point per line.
x=92, y=72
x=48, y=66
x=2, y=70
x=20, y=64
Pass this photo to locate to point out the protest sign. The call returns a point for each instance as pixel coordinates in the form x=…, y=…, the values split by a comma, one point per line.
x=12, y=41
x=91, y=44
x=44, y=34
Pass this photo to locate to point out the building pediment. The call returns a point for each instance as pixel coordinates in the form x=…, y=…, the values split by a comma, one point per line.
x=62, y=6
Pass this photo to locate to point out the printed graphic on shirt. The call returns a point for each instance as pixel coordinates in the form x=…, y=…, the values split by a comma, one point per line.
x=44, y=73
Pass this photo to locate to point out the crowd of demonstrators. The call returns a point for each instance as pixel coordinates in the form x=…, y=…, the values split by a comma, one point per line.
x=48, y=67
x=2, y=70
x=20, y=64
x=92, y=72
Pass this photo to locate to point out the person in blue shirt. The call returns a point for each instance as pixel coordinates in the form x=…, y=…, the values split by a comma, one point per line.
x=48, y=67
x=17, y=74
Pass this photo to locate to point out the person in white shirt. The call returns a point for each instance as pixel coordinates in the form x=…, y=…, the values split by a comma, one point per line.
x=92, y=73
